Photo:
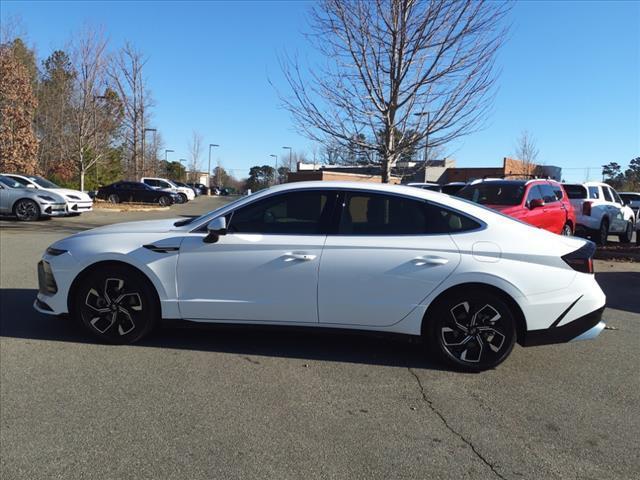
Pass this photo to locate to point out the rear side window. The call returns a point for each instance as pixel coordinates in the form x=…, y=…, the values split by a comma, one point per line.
x=294, y=213
x=575, y=191
x=593, y=192
x=494, y=193
x=548, y=195
x=376, y=214
x=616, y=198
x=607, y=196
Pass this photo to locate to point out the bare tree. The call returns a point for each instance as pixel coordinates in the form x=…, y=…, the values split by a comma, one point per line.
x=126, y=77
x=527, y=152
x=388, y=63
x=195, y=150
x=90, y=61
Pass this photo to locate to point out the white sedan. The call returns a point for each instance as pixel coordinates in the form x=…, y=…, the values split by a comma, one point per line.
x=467, y=279
x=77, y=202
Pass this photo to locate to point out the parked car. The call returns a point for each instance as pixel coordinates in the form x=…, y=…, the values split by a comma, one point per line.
x=600, y=212
x=425, y=186
x=185, y=193
x=77, y=202
x=344, y=255
x=541, y=203
x=136, y=192
x=632, y=200
x=29, y=204
x=201, y=188
x=195, y=191
x=452, y=188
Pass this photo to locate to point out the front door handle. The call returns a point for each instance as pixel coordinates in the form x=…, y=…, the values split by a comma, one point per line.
x=429, y=260
x=305, y=257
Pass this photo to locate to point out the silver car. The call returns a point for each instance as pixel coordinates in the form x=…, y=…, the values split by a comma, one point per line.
x=29, y=204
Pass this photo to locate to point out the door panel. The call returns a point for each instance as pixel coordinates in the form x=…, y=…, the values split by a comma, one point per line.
x=250, y=277
x=378, y=280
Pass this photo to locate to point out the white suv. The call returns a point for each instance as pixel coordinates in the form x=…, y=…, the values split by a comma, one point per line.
x=600, y=212
x=167, y=185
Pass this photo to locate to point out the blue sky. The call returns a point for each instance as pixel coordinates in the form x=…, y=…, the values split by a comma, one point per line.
x=570, y=75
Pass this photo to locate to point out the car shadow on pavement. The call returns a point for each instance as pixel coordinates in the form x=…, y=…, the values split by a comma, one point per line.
x=622, y=290
x=18, y=319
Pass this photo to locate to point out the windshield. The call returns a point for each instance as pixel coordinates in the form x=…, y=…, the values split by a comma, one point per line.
x=43, y=182
x=187, y=221
x=494, y=193
x=575, y=191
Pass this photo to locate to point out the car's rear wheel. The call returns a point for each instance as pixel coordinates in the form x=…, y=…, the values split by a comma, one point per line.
x=628, y=233
x=164, y=201
x=184, y=198
x=471, y=331
x=117, y=304
x=114, y=198
x=566, y=230
x=603, y=232
x=27, y=210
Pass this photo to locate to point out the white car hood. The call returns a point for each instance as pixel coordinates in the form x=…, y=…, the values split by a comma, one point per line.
x=67, y=191
x=146, y=226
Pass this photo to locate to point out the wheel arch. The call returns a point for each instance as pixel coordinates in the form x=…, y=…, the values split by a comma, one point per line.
x=521, y=324
x=15, y=204
x=109, y=263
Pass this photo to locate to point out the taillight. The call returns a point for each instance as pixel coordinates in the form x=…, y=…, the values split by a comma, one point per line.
x=581, y=260
x=586, y=208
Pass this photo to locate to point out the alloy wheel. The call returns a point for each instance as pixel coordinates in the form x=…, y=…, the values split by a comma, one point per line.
x=113, y=198
x=475, y=334
x=111, y=309
x=27, y=210
x=163, y=201
x=566, y=230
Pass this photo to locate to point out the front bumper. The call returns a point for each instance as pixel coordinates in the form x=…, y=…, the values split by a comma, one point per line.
x=79, y=207
x=586, y=327
x=53, y=209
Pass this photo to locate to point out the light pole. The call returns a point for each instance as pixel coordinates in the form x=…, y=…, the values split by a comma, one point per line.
x=144, y=134
x=426, y=140
x=209, y=169
x=95, y=132
x=290, y=149
x=166, y=162
x=276, y=157
x=181, y=160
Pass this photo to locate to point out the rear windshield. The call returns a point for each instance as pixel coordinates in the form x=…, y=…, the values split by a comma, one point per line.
x=575, y=191
x=494, y=193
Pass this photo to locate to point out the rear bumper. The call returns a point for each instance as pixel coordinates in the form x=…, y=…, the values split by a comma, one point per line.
x=586, y=327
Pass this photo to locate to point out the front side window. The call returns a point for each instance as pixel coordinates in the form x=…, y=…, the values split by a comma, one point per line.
x=616, y=198
x=295, y=213
x=607, y=196
x=548, y=195
x=557, y=189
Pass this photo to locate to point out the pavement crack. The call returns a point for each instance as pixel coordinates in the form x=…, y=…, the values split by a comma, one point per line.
x=432, y=407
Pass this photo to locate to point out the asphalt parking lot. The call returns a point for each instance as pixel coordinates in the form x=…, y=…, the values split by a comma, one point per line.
x=242, y=403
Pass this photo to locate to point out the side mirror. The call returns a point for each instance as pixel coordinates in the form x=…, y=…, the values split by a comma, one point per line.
x=535, y=203
x=30, y=185
x=215, y=228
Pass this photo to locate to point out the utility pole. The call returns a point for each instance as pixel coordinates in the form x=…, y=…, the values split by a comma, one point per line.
x=426, y=140
x=290, y=149
x=276, y=157
x=209, y=169
x=166, y=162
x=183, y=160
x=144, y=134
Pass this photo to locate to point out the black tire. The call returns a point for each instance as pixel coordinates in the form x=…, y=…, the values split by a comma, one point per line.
x=471, y=331
x=627, y=235
x=165, y=201
x=116, y=304
x=113, y=198
x=184, y=197
x=26, y=210
x=602, y=233
x=566, y=230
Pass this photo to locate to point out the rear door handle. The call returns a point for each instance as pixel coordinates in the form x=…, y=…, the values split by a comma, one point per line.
x=305, y=257
x=429, y=260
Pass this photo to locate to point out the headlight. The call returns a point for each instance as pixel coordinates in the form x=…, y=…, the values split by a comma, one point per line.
x=47, y=198
x=54, y=252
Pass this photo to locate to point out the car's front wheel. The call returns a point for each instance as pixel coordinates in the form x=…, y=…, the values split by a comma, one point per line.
x=27, y=210
x=184, y=198
x=164, y=201
x=566, y=230
x=625, y=237
x=471, y=331
x=116, y=303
